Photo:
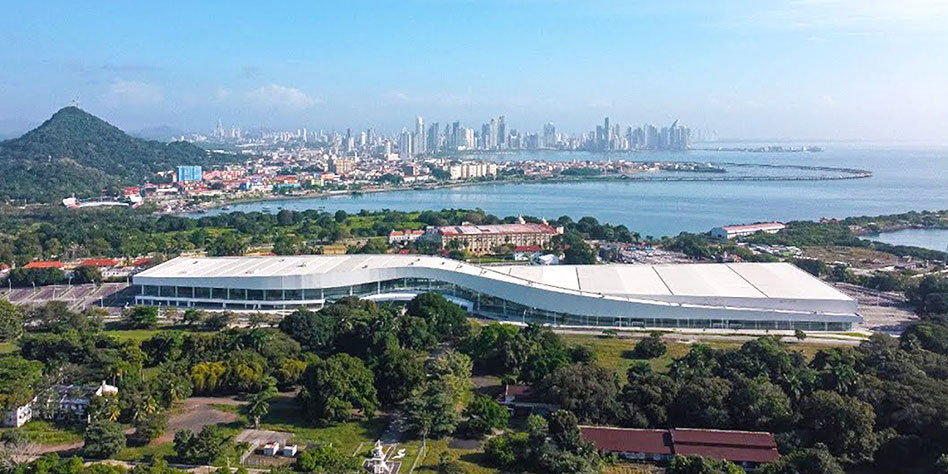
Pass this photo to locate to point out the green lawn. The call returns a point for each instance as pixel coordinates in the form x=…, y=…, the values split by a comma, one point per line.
x=146, y=453
x=137, y=335
x=7, y=347
x=44, y=432
x=616, y=352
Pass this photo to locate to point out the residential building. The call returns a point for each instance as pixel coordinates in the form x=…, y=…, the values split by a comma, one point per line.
x=185, y=174
x=404, y=236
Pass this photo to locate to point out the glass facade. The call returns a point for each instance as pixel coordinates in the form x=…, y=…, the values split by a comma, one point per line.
x=483, y=305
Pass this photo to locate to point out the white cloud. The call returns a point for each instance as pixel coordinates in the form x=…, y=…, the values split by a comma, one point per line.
x=277, y=96
x=133, y=93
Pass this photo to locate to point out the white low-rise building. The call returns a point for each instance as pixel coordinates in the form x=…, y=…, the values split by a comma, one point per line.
x=734, y=231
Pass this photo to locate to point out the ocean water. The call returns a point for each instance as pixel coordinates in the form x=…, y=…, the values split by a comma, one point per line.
x=904, y=178
x=932, y=239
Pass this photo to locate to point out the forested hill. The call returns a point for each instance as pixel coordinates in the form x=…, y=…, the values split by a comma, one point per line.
x=75, y=152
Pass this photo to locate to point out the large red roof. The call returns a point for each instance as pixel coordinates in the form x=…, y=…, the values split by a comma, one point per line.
x=628, y=439
x=498, y=229
x=751, y=227
x=737, y=446
x=44, y=264
x=740, y=446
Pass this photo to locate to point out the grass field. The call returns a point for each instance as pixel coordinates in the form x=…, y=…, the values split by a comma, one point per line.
x=46, y=433
x=146, y=453
x=137, y=335
x=616, y=352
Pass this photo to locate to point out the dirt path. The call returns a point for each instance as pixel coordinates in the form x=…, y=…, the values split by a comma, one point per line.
x=196, y=413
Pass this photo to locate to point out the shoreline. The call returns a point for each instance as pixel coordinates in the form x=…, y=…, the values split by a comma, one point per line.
x=853, y=173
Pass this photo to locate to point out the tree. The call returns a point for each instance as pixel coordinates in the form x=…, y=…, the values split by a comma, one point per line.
x=815, y=460
x=219, y=320
x=149, y=428
x=844, y=424
x=103, y=439
x=11, y=321
x=259, y=405
x=227, y=244
x=446, y=320
x=211, y=445
x=484, y=415
x=333, y=387
x=87, y=274
x=314, y=330
x=760, y=404
x=193, y=316
x=651, y=347
x=431, y=411
x=701, y=402
x=589, y=391
x=141, y=317
x=575, y=250
x=397, y=373
x=699, y=465
x=326, y=459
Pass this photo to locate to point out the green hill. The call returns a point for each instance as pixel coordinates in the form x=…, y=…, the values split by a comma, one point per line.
x=75, y=152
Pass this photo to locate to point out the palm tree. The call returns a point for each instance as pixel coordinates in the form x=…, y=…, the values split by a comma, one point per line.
x=259, y=406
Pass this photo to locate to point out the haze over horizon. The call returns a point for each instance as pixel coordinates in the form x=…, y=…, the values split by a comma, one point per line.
x=798, y=69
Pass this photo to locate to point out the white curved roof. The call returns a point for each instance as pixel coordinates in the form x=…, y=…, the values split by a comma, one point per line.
x=754, y=290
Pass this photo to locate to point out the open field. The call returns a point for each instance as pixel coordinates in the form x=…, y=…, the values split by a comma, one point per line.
x=617, y=352
x=45, y=433
x=857, y=257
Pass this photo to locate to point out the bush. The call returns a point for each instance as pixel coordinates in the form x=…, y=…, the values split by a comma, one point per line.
x=149, y=428
x=650, y=347
x=103, y=439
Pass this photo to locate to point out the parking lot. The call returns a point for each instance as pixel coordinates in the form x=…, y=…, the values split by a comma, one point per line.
x=110, y=296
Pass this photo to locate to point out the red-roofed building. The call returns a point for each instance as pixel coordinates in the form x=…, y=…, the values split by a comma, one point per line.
x=480, y=239
x=522, y=398
x=636, y=444
x=400, y=236
x=732, y=231
x=43, y=264
x=140, y=262
x=742, y=447
x=748, y=449
x=99, y=263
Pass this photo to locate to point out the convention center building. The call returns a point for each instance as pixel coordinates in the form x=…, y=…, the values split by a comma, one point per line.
x=776, y=296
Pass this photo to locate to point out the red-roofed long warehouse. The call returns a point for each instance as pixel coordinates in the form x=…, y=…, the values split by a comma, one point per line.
x=746, y=448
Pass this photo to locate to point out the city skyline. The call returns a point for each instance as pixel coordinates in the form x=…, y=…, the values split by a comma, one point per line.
x=789, y=70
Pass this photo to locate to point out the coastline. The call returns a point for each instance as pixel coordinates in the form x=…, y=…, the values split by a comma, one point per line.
x=852, y=173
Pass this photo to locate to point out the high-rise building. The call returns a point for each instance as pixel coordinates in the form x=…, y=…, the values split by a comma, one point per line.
x=187, y=174
x=405, y=149
x=502, y=139
x=549, y=135
x=434, y=138
x=419, y=139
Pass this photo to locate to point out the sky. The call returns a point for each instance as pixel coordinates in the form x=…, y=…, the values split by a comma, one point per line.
x=756, y=70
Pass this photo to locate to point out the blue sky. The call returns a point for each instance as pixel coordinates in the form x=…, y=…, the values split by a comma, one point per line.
x=799, y=69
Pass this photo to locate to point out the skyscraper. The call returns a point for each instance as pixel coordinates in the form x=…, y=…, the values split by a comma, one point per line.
x=405, y=150
x=502, y=142
x=549, y=135
x=419, y=138
x=434, y=139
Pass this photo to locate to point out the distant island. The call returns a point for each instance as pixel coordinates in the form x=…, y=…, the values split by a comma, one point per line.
x=768, y=149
